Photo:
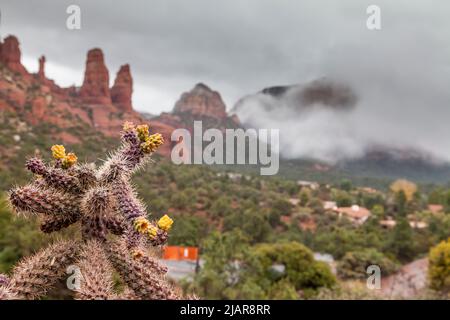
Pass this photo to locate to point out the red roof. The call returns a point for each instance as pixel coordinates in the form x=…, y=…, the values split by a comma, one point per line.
x=354, y=212
x=180, y=253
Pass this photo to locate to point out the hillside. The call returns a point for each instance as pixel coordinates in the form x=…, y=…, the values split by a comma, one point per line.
x=327, y=133
x=227, y=214
x=73, y=114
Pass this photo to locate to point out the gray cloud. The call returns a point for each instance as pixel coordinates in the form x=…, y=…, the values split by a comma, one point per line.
x=403, y=100
x=400, y=73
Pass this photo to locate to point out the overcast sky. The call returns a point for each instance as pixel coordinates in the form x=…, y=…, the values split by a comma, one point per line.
x=401, y=73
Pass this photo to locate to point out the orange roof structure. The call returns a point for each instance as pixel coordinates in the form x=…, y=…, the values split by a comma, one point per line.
x=354, y=212
x=180, y=253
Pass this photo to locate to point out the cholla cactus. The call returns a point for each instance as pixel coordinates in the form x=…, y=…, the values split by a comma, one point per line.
x=115, y=231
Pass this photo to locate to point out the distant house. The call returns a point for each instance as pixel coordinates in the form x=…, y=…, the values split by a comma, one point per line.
x=418, y=224
x=389, y=223
x=356, y=214
x=309, y=184
x=180, y=253
x=435, y=208
x=182, y=262
x=330, y=205
x=232, y=175
x=294, y=201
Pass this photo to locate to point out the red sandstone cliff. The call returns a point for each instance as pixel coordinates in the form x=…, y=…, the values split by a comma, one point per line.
x=95, y=88
x=38, y=100
x=10, y=55
x=41, y=72
x=201, y=101
x=122, y=89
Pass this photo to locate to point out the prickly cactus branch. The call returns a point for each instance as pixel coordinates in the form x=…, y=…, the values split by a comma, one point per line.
x=116, y=231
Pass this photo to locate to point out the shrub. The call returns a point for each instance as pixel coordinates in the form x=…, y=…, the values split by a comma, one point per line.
x=301, y=270
x=439, y=267
x=354, y=264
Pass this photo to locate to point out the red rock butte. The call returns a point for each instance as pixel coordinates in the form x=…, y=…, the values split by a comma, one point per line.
x=201, y=100
x=38, y=99
x=95, y=88
x=41, y=72
x=10, y=55
x=123, y=88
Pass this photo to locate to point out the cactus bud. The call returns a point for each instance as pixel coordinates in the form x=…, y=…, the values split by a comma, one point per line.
x=152, y=143
x=165, y=223
x=142, y=132
x=58, y=151
x=69, y=160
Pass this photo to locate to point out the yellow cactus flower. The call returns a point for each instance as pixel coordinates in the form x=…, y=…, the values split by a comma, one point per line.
x=127, y=126
x=141, y=224
x=152, y=143
x=165, y=223
x=58, y=151
x=142, y=131
x=152, y=232
x=137, y=254
x=69, y=160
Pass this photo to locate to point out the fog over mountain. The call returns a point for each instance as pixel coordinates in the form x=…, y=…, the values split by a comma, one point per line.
x=331, y=121
x=399, y=75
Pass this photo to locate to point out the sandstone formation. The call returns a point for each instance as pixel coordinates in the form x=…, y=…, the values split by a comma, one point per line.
x=38, y=100
x=95, y=88
x=201, y=101
x=10, y=55
x=122, y=89
x=199, y=104
x=41, y=72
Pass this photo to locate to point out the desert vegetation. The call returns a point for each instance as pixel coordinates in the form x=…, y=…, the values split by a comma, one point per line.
x=115, y=231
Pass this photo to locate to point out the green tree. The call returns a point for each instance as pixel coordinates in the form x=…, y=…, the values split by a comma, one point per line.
x=304, y=196
x=400, y=202
x=447, y=201
x=221, y=207
x=252, y=223
x=180, y=200
x=229, y=269
x=402, y=242
x=188, y=231
x=281, y=206
x=378, y=211
x=439, y=267
x=436, y=196
x=301, y=270
x=343, y=199
x=346, y=185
